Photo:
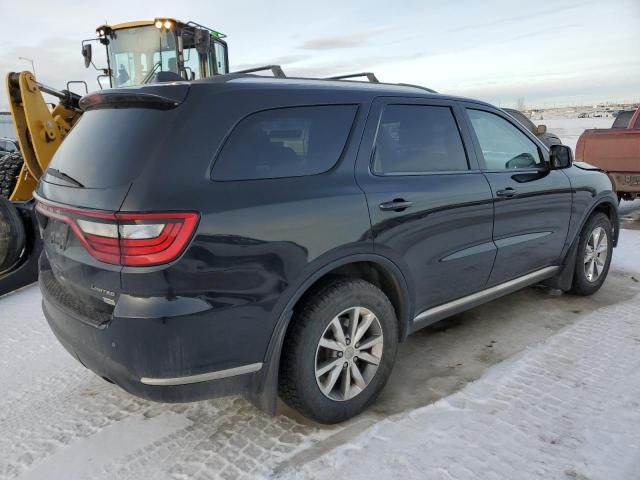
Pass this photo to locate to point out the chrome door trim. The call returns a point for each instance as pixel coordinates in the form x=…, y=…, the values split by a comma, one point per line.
x=434, y=314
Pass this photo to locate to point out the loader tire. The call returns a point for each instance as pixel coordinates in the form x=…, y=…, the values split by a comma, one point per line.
x=10, y=166
x=12, y=236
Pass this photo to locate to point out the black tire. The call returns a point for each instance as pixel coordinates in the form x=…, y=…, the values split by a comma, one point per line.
x=10, y=166
x=297, y=379
x=582, y=285
x=12, y=235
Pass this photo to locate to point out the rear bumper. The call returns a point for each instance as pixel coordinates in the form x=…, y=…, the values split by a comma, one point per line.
x=150, y=357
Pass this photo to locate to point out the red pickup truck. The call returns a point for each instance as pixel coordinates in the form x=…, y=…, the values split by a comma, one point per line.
x=616, y=150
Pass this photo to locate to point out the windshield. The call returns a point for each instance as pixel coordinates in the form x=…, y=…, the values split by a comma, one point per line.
x=138, y=54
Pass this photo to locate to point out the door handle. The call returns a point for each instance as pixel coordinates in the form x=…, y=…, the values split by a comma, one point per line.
x=507, y=193
x=397, y=205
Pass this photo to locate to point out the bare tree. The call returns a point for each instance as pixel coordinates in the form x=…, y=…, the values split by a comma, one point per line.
x=521, y=105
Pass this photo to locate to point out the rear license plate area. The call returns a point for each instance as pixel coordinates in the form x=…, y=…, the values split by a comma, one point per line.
x=631, y=180
x=57, y=235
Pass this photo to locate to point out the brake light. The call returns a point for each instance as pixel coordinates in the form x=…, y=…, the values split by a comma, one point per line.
x=128, y=239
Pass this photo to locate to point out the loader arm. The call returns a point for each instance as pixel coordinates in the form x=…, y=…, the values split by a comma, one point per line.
x=40, y=129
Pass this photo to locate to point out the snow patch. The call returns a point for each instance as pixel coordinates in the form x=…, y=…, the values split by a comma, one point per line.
x=115, y=441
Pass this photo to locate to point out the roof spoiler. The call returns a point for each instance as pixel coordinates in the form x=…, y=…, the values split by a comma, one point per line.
x=163, y=97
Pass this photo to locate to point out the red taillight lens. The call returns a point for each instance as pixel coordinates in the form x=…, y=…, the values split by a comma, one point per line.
x=154, y=238
x=129, y=239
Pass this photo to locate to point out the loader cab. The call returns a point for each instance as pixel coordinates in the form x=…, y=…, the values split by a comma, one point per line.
x=161, y=50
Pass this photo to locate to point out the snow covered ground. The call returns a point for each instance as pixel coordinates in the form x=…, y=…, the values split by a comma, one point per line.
x=568, y=408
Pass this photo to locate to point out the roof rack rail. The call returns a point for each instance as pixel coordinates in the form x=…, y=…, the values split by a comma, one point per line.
x=371, y=77
x=430, y=90
x=275, y=69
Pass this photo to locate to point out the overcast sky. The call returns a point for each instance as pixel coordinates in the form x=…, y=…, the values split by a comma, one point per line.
x=547, y=52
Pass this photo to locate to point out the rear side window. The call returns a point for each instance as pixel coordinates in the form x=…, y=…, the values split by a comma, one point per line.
x=414, y=139
x=285, y=142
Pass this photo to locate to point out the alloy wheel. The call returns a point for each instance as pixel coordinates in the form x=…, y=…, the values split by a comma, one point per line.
x=348, y=353
x=595, y=254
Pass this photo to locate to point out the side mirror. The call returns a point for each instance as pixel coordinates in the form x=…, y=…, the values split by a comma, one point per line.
x=560, y=157
x=202, y=39
x=541, y=129
x=86, y=53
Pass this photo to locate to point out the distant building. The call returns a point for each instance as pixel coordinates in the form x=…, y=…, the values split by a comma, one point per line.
x=6, y=126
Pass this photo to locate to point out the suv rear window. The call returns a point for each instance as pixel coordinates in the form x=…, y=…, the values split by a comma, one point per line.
x=109, y=147
x=285, y=142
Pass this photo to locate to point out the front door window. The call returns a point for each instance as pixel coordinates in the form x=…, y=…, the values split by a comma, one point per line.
x=503, y=146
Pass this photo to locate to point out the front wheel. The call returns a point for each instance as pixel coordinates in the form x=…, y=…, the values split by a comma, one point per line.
x=339, y=351
x=594, y=255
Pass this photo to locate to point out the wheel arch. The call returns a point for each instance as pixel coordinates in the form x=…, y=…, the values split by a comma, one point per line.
x=607, y=206
x=564, y=279
x=377, y=269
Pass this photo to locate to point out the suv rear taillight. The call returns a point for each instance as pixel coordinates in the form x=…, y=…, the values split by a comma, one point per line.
x=128, y=239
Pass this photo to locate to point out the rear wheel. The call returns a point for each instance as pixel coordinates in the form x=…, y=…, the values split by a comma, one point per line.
x=10, y=166
x=12, y=235
x=339, y=351
x=594, y=255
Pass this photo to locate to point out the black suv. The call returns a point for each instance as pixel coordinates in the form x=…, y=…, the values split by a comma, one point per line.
x=273, y=236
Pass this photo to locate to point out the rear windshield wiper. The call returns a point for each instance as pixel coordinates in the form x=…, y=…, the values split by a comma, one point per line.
x=54, y=172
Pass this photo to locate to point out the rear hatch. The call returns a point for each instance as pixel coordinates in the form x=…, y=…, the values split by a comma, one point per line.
x=86, y=240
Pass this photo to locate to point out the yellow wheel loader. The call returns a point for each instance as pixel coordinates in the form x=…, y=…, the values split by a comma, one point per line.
x=158, y=50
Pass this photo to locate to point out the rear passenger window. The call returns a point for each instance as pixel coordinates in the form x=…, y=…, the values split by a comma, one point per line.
x=414, y=139
x=285, y=142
